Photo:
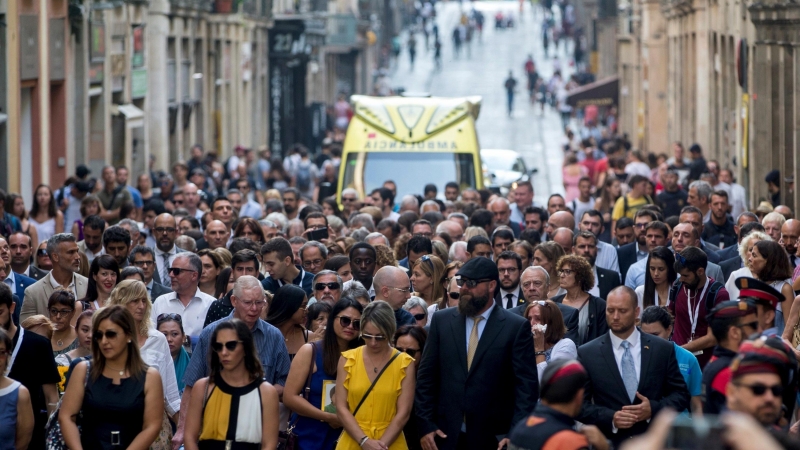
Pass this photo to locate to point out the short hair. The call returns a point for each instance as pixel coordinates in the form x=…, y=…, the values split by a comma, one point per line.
x=363, y=245
x=356, y=290
x=186, y=242
x=532, y=237
x=131, y=223
x=336, y=262
x=415, y=301
x=661, y=226
x=381, y=315
x=325, y=272
x=141, y=250
x=376, y=235
x=116, y=234
x=61, y=297
x=242, y=243
x=454, y=248
x=690, y=258
x=623, y=223
x=243, y=256
x=649, y=213
x=130, y=271
x=386, y=194
x=542, y=213
x=474, y=241
x=774, y=217
x=692, y=210
x=280, y=246
x=502, y=233
x=481, y=218
x=720, y=193
x=584, y=275
x=293, y=191
x=750, y=227
x=194, y=224
x=538, y=269
x=221, y=198
x=55, y=240
x=6, y=297
x=430, y=187
x=703, y=189
x=452, y=184
x=154, y=204
x=509, y=255
x=655, y=313
x=636, y=179
x=94, y=222
x=389, y=223
x=421, y=222
x=314, y=215
x=584, y=235
x=419, y=244
x=594, y=213
x=323, y=251
x=361, y=220
x=247, y=283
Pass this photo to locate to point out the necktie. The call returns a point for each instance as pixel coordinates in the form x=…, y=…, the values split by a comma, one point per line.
x=473, y=341
x=509, y=301
x=629, y=371
x=165, y=275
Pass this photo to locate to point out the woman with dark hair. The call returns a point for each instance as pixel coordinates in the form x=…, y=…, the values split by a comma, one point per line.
x=576, y=277
x=277, y=177
x=171, y=326
x=16, y=206
x=546, y=255
x=103, y=276
x=287, y=313
x=16, y=412
x=658, y=279
x=316, y=426
x=249, y=228
x=317, y=316
x=90, y=206
x=330, y=207
x=548, y=330
x=411, y=341
x=341, y=265
x=44, y=215
x=83, y=331
x=223, y=283
x=61, y=309
x=121, y=402
x=236, y=377
x=212, y=266
x=769, y=263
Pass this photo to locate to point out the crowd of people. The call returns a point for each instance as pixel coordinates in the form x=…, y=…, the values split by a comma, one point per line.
x=234, y=308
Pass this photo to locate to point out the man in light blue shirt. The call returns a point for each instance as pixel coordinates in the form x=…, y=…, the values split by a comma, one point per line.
x=592, y=221
x=657, y=321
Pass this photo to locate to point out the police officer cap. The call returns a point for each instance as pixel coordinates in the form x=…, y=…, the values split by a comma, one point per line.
x=757, y=292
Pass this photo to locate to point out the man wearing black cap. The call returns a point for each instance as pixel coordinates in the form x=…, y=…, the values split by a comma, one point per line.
x=765, y=299
x=552, y=423
x=773, y=180
x=731, y=322
x=477, y=377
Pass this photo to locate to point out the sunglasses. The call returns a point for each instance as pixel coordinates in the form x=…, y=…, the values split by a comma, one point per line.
x=376, y=337
x=177, y=271
x=109, y=334
x=461, y=282
x=230, y=345
x=41, y=252
x=419, y=316
x=345, y=322
x=454, y=295
x=409, y=351
x=169, y=316
x=321, y=286
x=760, y=389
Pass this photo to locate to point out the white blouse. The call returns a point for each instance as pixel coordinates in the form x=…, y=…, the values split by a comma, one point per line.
x=564, y=349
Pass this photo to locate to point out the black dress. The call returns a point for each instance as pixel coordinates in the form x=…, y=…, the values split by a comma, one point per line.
x=109, y=409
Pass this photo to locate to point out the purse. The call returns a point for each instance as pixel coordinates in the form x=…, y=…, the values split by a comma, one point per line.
x=54, y=440
x=287, y=440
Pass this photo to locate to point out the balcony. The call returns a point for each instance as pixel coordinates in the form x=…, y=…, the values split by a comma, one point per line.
x=258, y=8
x=194, y=5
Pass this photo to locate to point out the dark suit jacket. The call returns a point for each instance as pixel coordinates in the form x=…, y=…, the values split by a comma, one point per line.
x=569, y=314
x=728, y=266
x=500, y=389
x=597, y=319
x=36, y=273
x=607, y=281
x=660, y=381
x=157, y=276
x=728, y=253
x=501, y=301
x=515, y=228
x=201, y=244
x=22, y=283
x=158, y=290
x=627, y=257
x=711, y=252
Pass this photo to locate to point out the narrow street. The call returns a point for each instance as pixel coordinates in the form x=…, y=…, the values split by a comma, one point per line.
x=482, y=70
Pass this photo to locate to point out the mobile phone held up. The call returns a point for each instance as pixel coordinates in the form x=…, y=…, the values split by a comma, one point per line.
x=318, y=235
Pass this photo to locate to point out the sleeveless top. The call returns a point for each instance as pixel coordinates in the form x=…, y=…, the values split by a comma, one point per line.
x=113, y=414
x=311, y=433
x=232, y=414
x=8, y=415
x=44, y=229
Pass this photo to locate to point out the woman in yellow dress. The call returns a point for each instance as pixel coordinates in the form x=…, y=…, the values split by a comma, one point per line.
x=380, y=414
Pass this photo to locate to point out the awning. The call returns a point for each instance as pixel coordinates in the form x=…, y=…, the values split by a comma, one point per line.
x=134, y=117
x=604, y=92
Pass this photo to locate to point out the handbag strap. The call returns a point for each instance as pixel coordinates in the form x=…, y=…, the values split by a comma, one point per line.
x=307, y=390
x=374, y=382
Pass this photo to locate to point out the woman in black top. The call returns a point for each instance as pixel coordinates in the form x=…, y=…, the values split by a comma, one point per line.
x=287, y=313
x=121, y=401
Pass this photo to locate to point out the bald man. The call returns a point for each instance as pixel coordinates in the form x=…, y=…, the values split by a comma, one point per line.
x=785, y=211
x=560, y=219
x=502, y=215
x=563, y=237
x=392, y=286
x=790, y=233
x=452, y=228
x=216, y=234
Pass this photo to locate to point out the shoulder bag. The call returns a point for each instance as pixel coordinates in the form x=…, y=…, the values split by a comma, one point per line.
x=287, y=440
x=374, y=382
x=54, y=440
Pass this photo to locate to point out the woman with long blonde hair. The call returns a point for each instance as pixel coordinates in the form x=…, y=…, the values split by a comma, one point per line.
x=426, y=277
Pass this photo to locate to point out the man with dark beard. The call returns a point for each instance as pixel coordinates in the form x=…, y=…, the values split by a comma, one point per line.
x=470, y=395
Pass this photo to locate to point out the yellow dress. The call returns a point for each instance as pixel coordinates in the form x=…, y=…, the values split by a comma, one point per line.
x=380, y=407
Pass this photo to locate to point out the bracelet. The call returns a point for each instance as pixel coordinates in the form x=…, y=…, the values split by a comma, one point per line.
x=363, y=440
x=540, y=354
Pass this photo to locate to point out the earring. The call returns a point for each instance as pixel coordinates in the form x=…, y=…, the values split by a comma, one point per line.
x=129, y=341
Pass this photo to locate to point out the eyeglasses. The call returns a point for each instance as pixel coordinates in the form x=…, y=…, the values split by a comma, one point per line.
x=41, y=252
x=412, y=352
x=60, y=312
x=249, y=305
x=376, y=337
x=345, y=322
x=404, y=291
x=177, y=271
x=230, y=345
x=169, y=316
x=419, y=316
x=461, y=282
x=321, y=286
x=640, y=226
x=160, y=230
x=109, y=334
x=566, y=272
x=143, y=263
x=760, y=389
x=454, y=295
x=316, y=262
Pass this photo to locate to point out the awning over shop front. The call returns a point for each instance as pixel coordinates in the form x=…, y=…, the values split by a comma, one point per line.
x=603, y=92
x=134, y=116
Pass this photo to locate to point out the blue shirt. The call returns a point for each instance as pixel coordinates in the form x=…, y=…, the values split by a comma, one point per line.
x=269, y=343
x=690, y=369
x=303, y=279
x=135, y=196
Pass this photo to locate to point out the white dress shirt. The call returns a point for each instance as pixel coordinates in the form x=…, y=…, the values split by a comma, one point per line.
x=193, y=315
x=635, y=348
x=173, y=253
x=563, y=349
x=514, y=297
x=71, y=286
x=481, y=324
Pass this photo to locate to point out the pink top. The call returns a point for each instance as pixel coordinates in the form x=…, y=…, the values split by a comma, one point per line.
x=571, y=183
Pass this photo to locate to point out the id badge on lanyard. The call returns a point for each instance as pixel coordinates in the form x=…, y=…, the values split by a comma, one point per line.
x=694, y=317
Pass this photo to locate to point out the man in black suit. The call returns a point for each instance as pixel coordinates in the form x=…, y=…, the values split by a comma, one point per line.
x=509, y=266
x=21, y=253
x=477, y=377
x=637, y=250
x=733, y=250
x=535, y=282
x=790, y=232
x=632, y=375
x=144, y=258
x=585, y=245
x=735, y=262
